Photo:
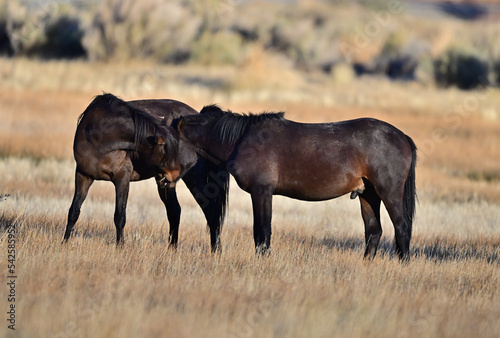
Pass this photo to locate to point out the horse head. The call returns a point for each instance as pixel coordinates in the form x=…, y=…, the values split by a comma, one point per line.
x=164, y=156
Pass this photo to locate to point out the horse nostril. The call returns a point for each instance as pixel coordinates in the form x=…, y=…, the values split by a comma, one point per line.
x=172, y=175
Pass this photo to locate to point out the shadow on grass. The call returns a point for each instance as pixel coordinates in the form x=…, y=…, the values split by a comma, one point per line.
x=23, y=224
x=434, y=249
x=6, y=222
x=55, y=229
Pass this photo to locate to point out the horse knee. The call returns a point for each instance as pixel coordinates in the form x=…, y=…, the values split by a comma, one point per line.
x=372, y=241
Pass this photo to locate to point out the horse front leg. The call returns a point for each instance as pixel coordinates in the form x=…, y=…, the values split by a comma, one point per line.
x=82, y=186
x=262, y=200
x=168, y=196
x=209, y=186
x=122, y=185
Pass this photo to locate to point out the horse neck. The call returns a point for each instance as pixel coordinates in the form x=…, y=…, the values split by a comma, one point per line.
x=215, y=152
x=213, y=149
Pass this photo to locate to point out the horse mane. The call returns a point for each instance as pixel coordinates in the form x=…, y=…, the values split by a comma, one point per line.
x=230, y=126
x=142, y=121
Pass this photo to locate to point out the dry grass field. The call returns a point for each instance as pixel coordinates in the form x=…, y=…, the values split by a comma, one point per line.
x=313, y=284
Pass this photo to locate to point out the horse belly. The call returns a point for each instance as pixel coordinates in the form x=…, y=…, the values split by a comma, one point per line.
x=319, y=190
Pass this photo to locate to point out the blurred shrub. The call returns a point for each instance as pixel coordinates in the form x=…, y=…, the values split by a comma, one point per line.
x=126, y=29
x=261, y=66
x=223, y=47
x=63, y=39
x=425, y=70
x=342, y=73
x=394, y=43
x=48, y=30
x=399, y=56
x=306, y=36
x=496, y=72
x=461, y=66
x=5, y=45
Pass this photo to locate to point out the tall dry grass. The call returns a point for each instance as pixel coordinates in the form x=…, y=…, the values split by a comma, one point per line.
x=314, y=283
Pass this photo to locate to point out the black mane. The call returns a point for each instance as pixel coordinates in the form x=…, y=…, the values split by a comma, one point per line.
x=230, y=126
x=143, y=121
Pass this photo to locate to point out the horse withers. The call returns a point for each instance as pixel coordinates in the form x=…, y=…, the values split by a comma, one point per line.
x=269, y=155
x=122, y=141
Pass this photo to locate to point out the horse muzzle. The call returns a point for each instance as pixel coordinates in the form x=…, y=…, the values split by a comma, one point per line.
x=168, y=178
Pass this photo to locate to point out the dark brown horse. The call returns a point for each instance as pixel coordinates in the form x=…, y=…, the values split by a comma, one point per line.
x=269, y=155
x=122, y=141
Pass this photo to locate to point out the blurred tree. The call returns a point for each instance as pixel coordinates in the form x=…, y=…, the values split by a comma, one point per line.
x=461, y=66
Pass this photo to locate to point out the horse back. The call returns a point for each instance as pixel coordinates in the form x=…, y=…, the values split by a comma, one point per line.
x=317, y=161
x=164, y=109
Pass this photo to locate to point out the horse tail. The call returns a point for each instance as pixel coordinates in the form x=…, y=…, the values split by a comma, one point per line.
x=218, y=179
x=410, y=190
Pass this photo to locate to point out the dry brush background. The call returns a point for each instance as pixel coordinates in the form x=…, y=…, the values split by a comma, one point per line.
x=314, y=283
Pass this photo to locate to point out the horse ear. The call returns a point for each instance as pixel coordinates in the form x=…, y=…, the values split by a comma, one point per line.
x=180, y=124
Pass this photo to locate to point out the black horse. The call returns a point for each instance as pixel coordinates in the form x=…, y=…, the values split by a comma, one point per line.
x=122, y=141
x=269, y=155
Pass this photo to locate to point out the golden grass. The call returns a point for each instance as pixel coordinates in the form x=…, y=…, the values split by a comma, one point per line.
x=314, y=283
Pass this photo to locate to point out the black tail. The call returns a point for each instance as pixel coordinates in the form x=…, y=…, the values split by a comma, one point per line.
x=410, y=190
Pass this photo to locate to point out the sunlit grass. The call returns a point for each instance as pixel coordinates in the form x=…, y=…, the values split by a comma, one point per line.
x=314, y=283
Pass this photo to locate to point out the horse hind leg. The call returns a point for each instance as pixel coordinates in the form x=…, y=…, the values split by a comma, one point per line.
x=370, y=211
x=393, y=201
x=402, y=234
x=82, y=186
